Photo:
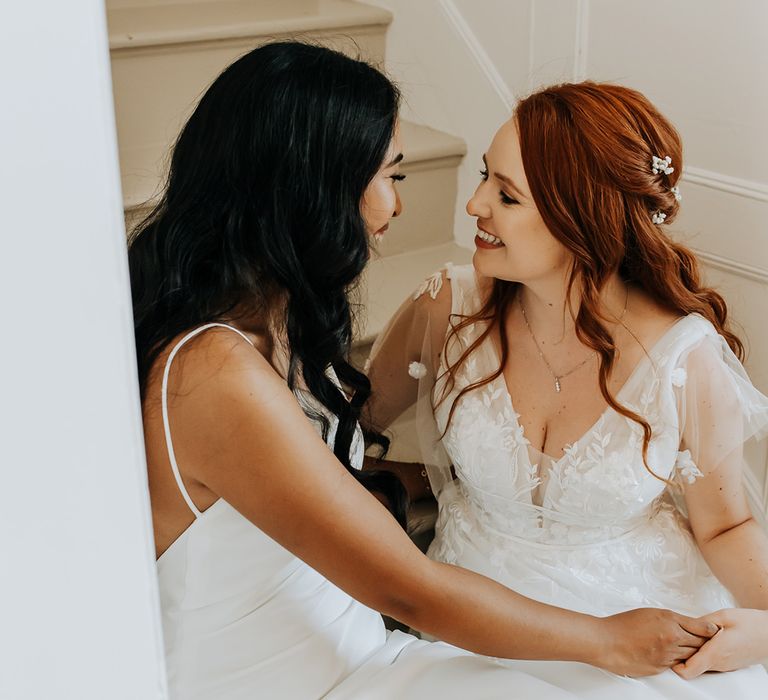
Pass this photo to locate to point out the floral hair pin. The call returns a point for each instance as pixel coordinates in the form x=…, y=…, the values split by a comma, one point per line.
x=662, y=165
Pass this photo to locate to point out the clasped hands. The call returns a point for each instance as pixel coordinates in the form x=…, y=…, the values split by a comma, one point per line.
x=742, y=640
x=646, y=641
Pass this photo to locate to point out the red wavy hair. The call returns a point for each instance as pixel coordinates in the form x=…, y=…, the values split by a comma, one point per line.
x=587, y=150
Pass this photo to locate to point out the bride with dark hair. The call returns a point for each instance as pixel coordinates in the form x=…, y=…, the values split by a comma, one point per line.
x=588, y=391
x=273, y=553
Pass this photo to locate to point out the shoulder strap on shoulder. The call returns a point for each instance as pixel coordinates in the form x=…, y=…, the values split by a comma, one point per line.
x=164, y=398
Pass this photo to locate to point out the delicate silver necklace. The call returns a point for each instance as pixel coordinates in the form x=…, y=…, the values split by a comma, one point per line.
x=555, y=376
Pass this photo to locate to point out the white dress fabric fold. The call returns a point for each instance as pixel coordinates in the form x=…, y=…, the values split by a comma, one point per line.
x=594, y=531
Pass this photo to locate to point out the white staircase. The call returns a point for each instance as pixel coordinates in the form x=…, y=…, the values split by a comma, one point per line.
x=166, y=52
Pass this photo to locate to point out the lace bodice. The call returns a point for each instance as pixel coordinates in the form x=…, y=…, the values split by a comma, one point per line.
x=597, y=512
x=600, y=484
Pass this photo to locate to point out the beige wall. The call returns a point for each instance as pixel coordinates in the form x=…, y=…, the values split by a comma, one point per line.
x=704, y=63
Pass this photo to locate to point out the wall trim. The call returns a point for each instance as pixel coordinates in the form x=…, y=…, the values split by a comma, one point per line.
x=726, y=183
x=727, y=265
x=581, y=42
x=531, y=42
x=475, y=47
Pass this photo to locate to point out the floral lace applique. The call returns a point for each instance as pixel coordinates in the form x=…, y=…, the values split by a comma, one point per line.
x=417, y=370
x=686, y=467
x=679, y=376
x=433, y=284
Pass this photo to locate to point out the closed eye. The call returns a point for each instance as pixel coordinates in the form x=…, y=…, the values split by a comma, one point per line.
x=398, y=177
x=505, y=198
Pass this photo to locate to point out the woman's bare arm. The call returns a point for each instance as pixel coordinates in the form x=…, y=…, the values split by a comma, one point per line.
x=239, y=431
x=733, y=544
x=736, y=549
x=731, y=541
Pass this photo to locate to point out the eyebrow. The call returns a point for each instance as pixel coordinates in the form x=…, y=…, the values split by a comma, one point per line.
x=394, y=161
x=507, y=181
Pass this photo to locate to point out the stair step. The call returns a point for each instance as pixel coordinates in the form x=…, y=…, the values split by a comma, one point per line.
x=164, y=56
x=429, y=192
x=430, y=163
x=388, y=281
x=161, y=25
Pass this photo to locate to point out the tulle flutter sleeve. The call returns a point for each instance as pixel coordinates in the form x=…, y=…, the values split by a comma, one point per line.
x=723, y=418
x=407, y=350
x=402, y=367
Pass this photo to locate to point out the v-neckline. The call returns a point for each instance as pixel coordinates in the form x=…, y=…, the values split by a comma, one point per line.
x=641, y=363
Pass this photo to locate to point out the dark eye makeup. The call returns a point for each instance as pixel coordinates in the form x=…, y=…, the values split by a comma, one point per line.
x=505, y=199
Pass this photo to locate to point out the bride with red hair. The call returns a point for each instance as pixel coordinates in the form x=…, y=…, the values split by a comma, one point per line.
x=587, y=391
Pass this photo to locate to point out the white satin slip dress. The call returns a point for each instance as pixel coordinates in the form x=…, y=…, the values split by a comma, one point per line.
x=243, y=618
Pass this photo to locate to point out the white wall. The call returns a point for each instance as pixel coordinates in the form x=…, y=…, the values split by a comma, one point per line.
x=78, y=602
x=704, y=63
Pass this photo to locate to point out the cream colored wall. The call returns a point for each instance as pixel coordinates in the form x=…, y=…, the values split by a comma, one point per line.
x=461, y=63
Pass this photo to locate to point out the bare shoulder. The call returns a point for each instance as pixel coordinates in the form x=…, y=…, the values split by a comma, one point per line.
x=229, y=409
x=649, y=320
x=216, y=353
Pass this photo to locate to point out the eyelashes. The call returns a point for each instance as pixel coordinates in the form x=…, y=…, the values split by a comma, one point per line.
x=398, y=177
x=504, y=198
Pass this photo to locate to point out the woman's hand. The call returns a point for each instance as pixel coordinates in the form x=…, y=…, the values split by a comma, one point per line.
x=742, y=640
x=647, y=641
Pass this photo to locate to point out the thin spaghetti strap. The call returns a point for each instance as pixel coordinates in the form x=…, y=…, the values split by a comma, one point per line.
x=164, y=397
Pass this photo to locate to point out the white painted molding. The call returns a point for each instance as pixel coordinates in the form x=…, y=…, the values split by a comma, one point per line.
x=531, y=42
x=581, y=41
x=475, y=47
x=727, y=265
x=726, y=183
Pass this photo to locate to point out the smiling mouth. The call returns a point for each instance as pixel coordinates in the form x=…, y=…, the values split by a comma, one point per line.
x=489, y=238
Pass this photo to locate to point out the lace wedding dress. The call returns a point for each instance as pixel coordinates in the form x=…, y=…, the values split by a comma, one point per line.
x=592, y=531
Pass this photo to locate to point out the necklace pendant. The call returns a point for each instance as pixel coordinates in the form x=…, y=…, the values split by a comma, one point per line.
x=557, y=384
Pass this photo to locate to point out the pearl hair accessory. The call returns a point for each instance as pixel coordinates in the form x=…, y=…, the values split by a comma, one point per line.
x=662, y=165
x=658, y=217
x=676, y=191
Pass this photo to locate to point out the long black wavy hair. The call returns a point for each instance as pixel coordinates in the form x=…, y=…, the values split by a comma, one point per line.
x=262, y=206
